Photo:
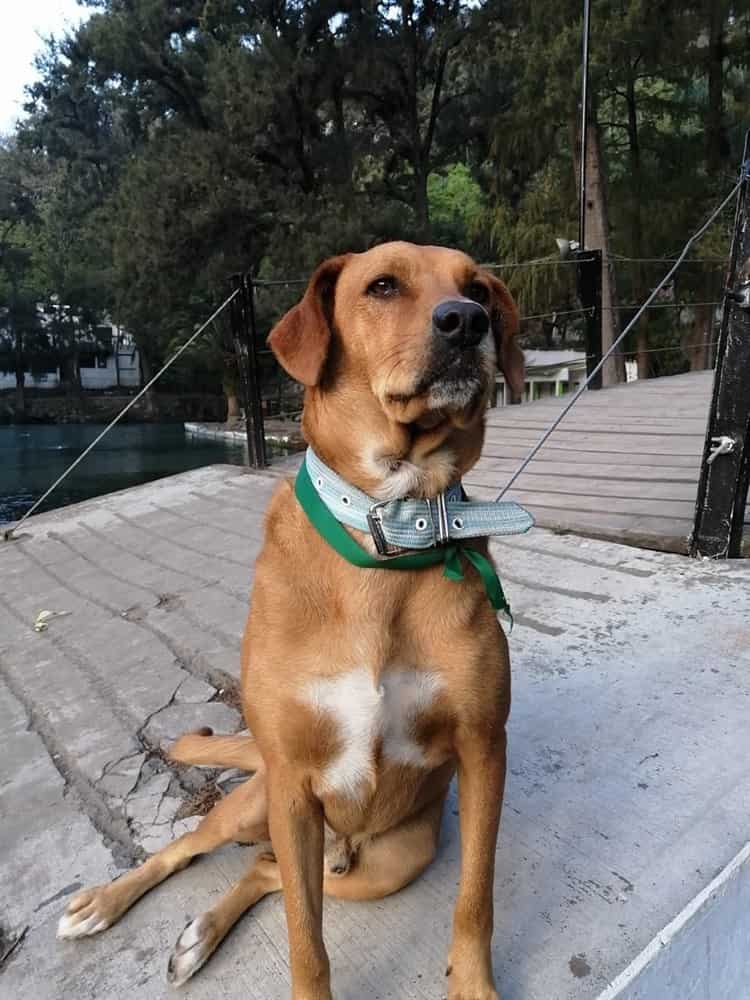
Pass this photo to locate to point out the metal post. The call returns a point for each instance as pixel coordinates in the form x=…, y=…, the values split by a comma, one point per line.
x=589, y=274
x=243, y=338
x=725, y=472
x=255, y=379
x=584, y=123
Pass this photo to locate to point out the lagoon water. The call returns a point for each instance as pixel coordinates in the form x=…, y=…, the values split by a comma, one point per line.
x=32, y=456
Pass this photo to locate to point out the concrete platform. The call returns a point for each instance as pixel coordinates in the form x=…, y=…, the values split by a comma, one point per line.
x=628, y=801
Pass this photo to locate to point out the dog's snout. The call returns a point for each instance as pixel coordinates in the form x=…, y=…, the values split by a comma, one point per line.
x=461, y=322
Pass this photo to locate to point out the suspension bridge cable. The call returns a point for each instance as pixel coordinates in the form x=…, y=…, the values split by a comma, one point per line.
x=611, y=350
x=582, y=310
x=512, y=265
x=9, y=532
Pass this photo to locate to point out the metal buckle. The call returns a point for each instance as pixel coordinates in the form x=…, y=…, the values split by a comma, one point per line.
x=375, y=524
x=438, y=516
x=439, y=519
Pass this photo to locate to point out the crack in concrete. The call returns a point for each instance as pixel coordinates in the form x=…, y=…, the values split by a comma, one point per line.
x=111, y=764
x=140, y=731
x=118, y=833
x=114, y=832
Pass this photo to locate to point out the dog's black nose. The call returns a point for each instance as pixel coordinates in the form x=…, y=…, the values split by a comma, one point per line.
x=461, y=322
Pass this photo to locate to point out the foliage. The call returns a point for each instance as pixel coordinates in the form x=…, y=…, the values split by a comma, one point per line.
x=167, y=145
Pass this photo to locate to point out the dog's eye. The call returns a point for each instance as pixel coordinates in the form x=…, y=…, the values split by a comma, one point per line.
x=383, y=288
x=478, y=292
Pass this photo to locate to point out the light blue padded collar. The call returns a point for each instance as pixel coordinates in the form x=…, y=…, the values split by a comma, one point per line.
x=414, y=524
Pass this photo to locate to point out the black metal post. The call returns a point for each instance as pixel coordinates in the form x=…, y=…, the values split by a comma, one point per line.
x=242, y=316
x=725, y=472
x=589, y=274
x=584, y=122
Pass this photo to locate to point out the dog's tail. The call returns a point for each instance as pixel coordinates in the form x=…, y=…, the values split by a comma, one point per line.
x=203, y=748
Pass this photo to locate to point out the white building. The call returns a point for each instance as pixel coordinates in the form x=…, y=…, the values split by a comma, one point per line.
x=109, y=362
x=548, y=373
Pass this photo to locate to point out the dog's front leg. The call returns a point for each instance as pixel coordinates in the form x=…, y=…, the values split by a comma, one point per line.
x=297, y=835
x=481, y=781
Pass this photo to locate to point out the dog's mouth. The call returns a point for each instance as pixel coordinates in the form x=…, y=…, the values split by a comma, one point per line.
x=449, y=383
x=448, y=387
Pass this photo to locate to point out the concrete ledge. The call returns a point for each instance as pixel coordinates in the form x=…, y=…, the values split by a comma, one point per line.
x=704, y=952
x=284, y=434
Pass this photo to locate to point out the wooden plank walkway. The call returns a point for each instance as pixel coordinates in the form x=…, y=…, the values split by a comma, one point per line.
x=623, y=465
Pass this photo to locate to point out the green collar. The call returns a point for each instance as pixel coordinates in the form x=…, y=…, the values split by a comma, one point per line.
x=450, y=555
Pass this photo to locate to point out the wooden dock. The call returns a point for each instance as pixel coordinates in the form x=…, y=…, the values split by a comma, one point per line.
x=622, y=466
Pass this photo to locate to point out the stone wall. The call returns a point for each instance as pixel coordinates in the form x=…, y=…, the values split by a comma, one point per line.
x=100, y=407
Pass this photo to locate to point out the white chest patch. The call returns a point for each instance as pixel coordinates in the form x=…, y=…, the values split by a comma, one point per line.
x=365, y=714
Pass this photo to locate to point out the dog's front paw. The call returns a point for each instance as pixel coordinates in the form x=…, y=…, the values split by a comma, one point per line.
x=89, y=912
x=194, y=947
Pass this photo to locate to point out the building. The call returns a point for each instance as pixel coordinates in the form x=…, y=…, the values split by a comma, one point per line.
x=108, y=360
x=548, y=373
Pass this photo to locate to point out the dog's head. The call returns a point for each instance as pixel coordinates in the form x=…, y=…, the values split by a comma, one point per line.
x=398, y=348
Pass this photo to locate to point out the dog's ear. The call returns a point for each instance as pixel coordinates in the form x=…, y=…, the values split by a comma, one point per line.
x=301, y=338
x=505, y=325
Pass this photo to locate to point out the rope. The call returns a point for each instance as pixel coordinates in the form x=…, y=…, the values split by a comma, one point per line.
x=512, y=265
x=538, y=262
x=582, y=310
x=610, y=351
x=621, y=354
x=666, y=260
x=9, y=532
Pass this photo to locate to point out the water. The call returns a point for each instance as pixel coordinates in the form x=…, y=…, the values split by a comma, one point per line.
x=32, y=456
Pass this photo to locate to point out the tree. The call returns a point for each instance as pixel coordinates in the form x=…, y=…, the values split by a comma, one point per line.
x=407, y=76
x=180, y=143
x=18, y=290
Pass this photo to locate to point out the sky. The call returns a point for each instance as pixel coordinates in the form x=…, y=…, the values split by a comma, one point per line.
x=25, y=23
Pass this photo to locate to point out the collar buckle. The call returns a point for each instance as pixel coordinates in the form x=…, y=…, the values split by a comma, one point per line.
x=375, y=524
x=439, y=516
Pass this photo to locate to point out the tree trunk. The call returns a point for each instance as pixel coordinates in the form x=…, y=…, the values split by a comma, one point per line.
x=597, y=238
x=16, y=338
x=147, y=373
x=233, y=406
x=416, y=156
x=76, y=370
x=230, y=388
x=421, y=204
x=20, y=378
x=117, y=357
x=68, y=372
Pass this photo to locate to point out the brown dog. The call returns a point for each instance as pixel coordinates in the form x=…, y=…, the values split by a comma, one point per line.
x=365, y=690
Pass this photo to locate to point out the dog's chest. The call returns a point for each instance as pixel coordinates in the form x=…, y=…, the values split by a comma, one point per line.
x=375, y=724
